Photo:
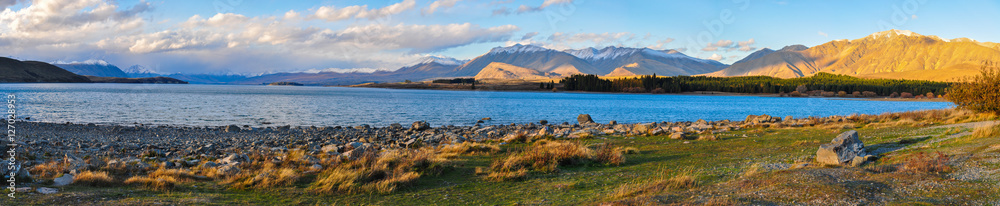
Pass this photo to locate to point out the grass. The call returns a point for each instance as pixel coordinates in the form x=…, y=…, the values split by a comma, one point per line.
x=379, y=172
x=658, y=170
x=94, y=179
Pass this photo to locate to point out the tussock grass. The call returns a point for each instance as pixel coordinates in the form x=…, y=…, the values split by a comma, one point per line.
x=379, y=172
x=156, y=183
x=468, y=148
x=987, y=131
x=49, y=170
x=656, y=187
x=95, y=179
x=546, y=156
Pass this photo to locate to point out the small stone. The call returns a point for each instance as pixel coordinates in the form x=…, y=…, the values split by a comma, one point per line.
x=46, y=190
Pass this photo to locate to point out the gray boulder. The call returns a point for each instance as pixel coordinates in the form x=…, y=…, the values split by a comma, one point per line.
x=584, y=118
x=232, y=128
x=842, y=150
x=66, y=179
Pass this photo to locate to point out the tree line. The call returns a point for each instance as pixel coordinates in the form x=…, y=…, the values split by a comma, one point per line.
x=752, y=84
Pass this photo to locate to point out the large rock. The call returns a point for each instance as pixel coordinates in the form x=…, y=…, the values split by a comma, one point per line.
x=842, y=150
x=420, y=125
x=584, y=118
x=66, y=179
x=6, y=169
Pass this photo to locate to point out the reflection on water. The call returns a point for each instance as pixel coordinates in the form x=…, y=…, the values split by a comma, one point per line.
x=217, y=105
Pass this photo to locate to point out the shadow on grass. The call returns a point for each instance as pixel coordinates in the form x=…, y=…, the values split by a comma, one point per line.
x=882, y=148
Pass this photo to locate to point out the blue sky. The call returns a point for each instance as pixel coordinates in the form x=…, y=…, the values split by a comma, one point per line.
x=262, y=36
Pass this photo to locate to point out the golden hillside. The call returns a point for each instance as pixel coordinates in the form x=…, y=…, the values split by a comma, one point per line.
x=891, y=54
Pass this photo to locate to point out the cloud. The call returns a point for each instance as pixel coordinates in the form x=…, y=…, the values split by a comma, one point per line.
x=527, y=9
x=821, y=33
x=7, y=3
x=440, y=4
x=331, y=13
x=716, y=57
x=661, y=44
x=529, y=35
x=595, y=38
x=729, y=45
x=101, y=29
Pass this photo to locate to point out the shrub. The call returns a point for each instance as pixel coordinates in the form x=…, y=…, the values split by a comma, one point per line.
x=869, y=94
x=90, y=178
x=841, y=94
x=801, y=89
x=905, y=95
x=979, y=93
x=658, y=91
x=930, y=95
x=894, y=95
x=856, y=94
x=795, y=94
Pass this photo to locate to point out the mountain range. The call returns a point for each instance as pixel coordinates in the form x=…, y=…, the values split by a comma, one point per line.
x=895, y=54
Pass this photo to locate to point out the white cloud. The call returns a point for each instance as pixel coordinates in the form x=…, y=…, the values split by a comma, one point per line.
x=716, y=57
x=54, y=22
x=331, y=13
x=529, y=35
x=440, y=4
x=527, y=9
x=822, y=34
x=661, y=44
x=595, y=38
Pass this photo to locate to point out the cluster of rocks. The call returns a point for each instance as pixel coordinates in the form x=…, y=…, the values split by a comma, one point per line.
x=136, y=147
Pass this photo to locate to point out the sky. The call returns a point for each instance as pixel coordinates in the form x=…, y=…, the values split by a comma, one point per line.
x=268, y=36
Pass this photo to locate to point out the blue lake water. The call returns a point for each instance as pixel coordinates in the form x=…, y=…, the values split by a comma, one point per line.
x=217, y=105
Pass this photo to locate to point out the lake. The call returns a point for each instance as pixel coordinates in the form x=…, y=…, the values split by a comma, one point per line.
x=218, y=105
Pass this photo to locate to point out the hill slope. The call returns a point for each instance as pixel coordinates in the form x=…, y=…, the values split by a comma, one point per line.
x=12, y=70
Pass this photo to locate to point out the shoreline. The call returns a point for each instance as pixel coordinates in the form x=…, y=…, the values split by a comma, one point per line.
x=698, y=93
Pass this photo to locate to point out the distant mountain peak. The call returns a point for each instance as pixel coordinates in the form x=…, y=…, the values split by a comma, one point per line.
x=610, y=52
x=892, y=33
x=797, y=47
x=441, y=60
x=90, y=62
x=518, y=48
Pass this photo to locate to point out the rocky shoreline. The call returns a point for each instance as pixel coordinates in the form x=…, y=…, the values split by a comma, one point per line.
x=171, y=146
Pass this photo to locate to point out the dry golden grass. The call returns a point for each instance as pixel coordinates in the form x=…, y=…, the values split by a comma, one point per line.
x=96, y=179
x=469, y=148
x=656, y=187
x=155, y=183
x=48, y=170
x=181, y=175
x=927, y=163
x=547, y=156
x=381, y=173
x=628, y=150
x=987, y=131
x=608, y=154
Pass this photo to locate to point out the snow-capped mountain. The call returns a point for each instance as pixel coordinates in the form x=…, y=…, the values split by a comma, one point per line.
x=441, y=60
x=645, y=61
x=99, y=68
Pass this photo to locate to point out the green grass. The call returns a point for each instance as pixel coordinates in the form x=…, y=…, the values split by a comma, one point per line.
x=716, y=165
